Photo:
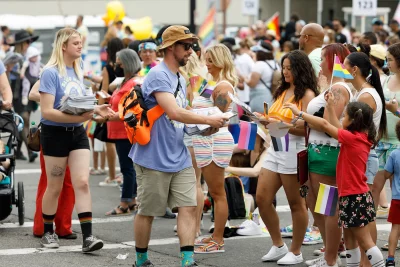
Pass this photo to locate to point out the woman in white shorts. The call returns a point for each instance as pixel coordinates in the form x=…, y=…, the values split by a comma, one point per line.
x=299, y=86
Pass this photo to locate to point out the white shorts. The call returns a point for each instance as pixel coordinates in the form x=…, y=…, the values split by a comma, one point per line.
x=281, y=162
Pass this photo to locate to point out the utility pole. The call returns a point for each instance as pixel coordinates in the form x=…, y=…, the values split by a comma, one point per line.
x=192, y=26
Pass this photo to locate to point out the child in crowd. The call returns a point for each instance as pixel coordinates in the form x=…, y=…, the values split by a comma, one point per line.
x=30, y=72
x=392, y=172
x=356, y=207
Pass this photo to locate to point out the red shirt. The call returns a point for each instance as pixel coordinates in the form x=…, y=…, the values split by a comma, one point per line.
x=116, y=129
x=352, y=163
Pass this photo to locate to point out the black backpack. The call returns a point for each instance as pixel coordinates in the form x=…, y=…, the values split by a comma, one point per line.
x=234, y=195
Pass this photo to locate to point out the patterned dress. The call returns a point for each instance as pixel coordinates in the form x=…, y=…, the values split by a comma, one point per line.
x=217, y=147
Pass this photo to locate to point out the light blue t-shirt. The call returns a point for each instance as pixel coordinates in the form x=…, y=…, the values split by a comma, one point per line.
x=393, y=166
x=2, y=68
x=166, y=151
x=52, y=83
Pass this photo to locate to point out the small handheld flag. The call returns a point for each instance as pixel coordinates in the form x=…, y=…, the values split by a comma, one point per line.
x=197, y=83
x=248, y=134
x=234, y=129
x=327, y=200
x=207, y=90
x=340, y=71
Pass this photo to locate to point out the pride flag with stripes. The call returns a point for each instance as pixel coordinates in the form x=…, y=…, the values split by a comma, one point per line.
x=207, y=29
x=327, y=200
x=340, y=71
x=247, y=136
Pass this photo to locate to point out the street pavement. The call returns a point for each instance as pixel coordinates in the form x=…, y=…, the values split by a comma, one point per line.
x=18, y=247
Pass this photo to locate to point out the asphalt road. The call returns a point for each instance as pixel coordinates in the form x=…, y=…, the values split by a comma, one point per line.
x=18, y=247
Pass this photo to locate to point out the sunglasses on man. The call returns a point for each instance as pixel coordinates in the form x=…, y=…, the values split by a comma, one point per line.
x=186, y=46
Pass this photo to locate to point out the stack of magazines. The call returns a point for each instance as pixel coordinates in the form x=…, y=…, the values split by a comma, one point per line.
x=77, y=105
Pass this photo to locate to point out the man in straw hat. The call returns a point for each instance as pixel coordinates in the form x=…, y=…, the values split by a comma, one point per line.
x=165, y=176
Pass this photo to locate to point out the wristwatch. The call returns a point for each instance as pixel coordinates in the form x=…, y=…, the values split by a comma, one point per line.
x=301, y=115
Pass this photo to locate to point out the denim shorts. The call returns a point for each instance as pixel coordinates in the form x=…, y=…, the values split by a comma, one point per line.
x=372, y=166
x=383, y=151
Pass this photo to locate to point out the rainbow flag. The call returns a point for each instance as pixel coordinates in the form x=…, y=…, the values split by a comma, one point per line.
x=273, y=24
x=207, y=29
x=248, y=134
x=197, y=83
x=327, y=200
x=340, y=71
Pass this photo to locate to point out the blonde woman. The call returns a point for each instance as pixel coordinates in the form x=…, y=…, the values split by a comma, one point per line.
x=213, y=153
x=63, y=138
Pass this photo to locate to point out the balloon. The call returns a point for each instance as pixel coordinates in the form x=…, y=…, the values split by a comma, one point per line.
x=142, y=28
x=114, y=12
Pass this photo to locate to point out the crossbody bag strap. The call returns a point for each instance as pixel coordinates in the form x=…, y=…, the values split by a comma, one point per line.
x=306, y=132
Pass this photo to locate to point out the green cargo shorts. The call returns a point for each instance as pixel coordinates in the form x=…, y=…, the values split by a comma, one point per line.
x=322, y=159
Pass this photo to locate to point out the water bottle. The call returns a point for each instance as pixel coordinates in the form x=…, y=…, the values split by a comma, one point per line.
x=33, y=128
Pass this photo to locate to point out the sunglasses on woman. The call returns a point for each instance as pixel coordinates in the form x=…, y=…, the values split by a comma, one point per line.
x=186, y=46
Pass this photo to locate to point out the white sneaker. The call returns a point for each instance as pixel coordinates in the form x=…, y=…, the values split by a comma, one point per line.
x=275, y=253
x=312, y=262
x=176, y=228
x=291, y=259
x=319, y=252
x=322, y=263
x=343, y=254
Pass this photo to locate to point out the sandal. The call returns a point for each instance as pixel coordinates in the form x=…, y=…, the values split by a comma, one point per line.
x=386, y=247
x=114, y=212
x=211, y=247
x=203, y=241
x=133, y=207
x=95, y=172
x=109, y=182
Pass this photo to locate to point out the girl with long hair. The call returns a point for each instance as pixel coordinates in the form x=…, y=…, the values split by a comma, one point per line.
x=356, y=206
x=63, y=138
x=298, y=86
x=213, y=153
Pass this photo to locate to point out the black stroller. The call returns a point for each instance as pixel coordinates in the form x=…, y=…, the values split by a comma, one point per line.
x=10, y=125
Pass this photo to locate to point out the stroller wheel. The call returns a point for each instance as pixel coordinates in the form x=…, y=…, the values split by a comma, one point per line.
x=21, y=203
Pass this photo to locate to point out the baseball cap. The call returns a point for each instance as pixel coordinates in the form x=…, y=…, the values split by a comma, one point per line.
x=175, y=33
x=262, y=46
x=378, y=51
x=377, y=22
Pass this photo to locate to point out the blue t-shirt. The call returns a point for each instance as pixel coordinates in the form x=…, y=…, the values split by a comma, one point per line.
x=52, y=83
x=392, y=166
x=166, y=151
x=2, y=68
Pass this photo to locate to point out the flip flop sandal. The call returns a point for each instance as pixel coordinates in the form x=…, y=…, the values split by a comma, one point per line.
x=386, y=247
x=133, y=207
x=203, y=241
x=114, y=212
x=211, y=247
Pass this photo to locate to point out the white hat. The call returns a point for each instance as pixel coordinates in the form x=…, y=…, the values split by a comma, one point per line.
x=32, y=52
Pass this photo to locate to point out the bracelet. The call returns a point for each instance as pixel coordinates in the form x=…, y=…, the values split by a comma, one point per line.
x=397, y=113
x=300, y=115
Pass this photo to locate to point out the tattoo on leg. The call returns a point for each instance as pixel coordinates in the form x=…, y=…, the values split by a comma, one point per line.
x=57, y=171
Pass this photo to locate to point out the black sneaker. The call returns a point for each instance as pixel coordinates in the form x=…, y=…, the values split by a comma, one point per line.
x=390, y=263
x=145, y=264
x=91, y=244
x=50, y=240
x=32, y=157
x=169, y=215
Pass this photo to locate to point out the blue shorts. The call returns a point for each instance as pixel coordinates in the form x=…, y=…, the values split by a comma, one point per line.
x=372, y=166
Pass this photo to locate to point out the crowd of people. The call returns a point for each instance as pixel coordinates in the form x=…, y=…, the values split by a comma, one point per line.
x=349, y=126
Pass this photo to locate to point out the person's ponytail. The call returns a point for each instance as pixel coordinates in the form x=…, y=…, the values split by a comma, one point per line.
x=375, y=81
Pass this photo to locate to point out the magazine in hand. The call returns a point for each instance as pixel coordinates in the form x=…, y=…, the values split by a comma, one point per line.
x=192, y=129
x=246, y=109
x=77, y=105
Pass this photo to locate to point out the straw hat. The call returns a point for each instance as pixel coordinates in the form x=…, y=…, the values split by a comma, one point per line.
x=378, y=51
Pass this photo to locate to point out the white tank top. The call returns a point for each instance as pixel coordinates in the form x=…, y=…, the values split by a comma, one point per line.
x=378, y=102
x=317, y=137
